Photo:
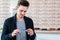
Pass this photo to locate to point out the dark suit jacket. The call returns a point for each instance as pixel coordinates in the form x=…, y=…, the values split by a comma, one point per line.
x=10, y=25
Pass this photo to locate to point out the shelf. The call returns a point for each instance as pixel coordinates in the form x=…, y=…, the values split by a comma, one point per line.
x=51, y=32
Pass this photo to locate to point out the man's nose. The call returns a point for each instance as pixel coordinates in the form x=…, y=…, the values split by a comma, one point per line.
x=22, y=12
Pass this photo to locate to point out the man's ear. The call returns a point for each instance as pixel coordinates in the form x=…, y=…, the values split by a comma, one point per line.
x=15, y=8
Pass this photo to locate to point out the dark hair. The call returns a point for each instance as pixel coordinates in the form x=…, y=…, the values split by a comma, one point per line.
x=23, y=2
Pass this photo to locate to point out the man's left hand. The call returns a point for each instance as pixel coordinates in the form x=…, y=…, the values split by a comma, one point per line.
x=30, y=31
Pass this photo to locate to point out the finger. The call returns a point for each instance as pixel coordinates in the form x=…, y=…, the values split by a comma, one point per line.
x=17, y=30
x=29, y=32
x=29, y=29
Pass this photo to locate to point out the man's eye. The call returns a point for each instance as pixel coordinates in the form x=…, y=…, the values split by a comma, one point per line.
x=24, y=11
x=21, y=10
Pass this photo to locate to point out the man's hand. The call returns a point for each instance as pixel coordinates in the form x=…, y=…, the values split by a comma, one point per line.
x=15, y=32
x=30, y=31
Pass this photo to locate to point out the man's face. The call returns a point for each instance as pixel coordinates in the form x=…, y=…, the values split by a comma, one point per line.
x=21, y=10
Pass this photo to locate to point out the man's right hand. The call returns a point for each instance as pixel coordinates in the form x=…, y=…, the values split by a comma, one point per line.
x=15, y=32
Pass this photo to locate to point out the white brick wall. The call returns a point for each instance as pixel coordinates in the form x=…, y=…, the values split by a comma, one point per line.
x=4, y=11
x=45, y=13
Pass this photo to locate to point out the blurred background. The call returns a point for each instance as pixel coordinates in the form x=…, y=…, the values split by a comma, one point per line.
x=45, y=15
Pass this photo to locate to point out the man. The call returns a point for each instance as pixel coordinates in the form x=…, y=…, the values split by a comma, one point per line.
x=19, y=27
